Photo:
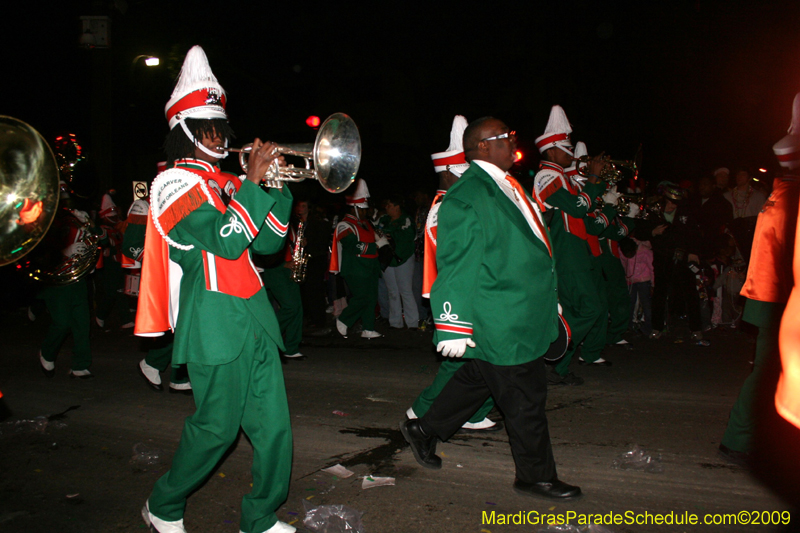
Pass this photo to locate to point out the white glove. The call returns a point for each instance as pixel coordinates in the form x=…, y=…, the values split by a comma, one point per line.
x=83, y=216
x=455, y=347
x=634, y=210
x=611, y=196
x=382, y=241
x=74, y=248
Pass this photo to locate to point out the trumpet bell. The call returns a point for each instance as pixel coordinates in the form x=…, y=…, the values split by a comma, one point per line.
x=337, y=152
x=28, y=189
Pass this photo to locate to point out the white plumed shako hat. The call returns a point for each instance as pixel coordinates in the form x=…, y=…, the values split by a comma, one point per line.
x=556, y=133
x=197, y=93
x=360, y=195
x=452, y=159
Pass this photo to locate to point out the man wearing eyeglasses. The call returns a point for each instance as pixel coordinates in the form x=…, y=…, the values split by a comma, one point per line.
x=568, y=208
x=495, y=305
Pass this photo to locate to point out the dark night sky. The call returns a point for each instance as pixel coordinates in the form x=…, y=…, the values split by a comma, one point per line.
x=698, y=84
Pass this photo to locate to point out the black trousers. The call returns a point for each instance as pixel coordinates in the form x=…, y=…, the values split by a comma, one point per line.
x=520, y=391
x=674, y=282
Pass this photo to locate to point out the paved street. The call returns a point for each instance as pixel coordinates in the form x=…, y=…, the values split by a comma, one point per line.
x=77, y=474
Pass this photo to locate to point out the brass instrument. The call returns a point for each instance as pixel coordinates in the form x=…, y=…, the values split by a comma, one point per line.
x=73, y=268
x=28, y=189
x=299, y=256
x=612, y=169
x=336, y=154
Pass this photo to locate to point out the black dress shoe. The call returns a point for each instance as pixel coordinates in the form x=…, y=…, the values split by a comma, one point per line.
x=423, y=446
x=732, y=456
x=550, y=490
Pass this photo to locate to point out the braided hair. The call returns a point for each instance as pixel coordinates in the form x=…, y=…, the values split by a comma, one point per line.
x=178, y=146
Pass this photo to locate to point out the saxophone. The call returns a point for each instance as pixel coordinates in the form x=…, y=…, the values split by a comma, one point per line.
x=299, y=256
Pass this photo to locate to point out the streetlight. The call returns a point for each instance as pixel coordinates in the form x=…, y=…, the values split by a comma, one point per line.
x=150, y=61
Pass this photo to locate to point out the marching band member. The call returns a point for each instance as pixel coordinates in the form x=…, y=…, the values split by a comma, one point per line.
x=354, y=254
x=578, y=281
x=768, y=288
x=494, y=254
x=159, y=353
x=198, y=279
x=286, y=292
x=110, y=268
x=68, y=304
x=449, y=166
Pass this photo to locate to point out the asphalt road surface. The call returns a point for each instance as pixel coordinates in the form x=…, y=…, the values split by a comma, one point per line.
x=91, y=468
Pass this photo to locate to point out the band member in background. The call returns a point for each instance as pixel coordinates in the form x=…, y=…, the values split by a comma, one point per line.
x=159, y=349
x=578, y=280
x=494, y=254
x=354, y=254
x=317, y=238
x=449, y=166
x=285, y=292
x=68, y=303
x=110, y=269
x=203, y=224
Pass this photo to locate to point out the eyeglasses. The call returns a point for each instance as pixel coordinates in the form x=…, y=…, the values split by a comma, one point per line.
x=511, y=135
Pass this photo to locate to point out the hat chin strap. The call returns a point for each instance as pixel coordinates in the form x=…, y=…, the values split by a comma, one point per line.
x=562, y=148
x=200, y=145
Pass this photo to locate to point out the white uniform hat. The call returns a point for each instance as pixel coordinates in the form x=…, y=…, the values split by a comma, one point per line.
x=787, y=150
x=556, y=133
x=139, y=207
x=360, y=196
x=452, y=159
x=197, y=94
x=108, y=209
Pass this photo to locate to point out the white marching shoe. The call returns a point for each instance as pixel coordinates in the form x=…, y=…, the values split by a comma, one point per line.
x=279, y=527
x=158, y=525
x=341, y=328
x=369, y=334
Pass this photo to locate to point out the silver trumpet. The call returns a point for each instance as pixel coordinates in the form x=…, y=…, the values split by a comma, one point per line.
x=336, y=156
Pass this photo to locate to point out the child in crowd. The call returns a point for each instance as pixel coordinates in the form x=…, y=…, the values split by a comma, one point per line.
x=637, y=259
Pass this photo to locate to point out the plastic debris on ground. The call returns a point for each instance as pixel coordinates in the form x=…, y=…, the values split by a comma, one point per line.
x=338, y=470
x=375, y=481
x=339, y=413
x=639, y=459
x=145, y=455
x=332, y=519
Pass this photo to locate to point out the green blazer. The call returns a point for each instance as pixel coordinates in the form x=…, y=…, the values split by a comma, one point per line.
x=496, y=280
x=210, y=324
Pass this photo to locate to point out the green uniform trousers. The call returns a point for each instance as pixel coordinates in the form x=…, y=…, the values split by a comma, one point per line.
x=159, y=356
x=446, y=371
x=766, y=369
x=69, y=311
x=112, y=281
x=248, y=392
x=364, y=288
x=618, y=297
x=286, y=293
x=585, y=310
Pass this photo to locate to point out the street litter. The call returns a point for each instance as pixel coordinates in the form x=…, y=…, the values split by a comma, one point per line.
x=340, y=413
x=338, y=470
x=639, y=459
x=376, y=399
x=375, y=481
x=332, y=519
x=145, y=455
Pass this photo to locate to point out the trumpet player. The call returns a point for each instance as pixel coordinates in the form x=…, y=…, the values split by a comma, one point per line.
x=568, y=207
x=198, y=279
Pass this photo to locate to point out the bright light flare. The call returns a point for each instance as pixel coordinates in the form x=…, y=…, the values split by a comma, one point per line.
x=518, y=156
x=762, y=170
x=313, y=121
x=151, y=62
